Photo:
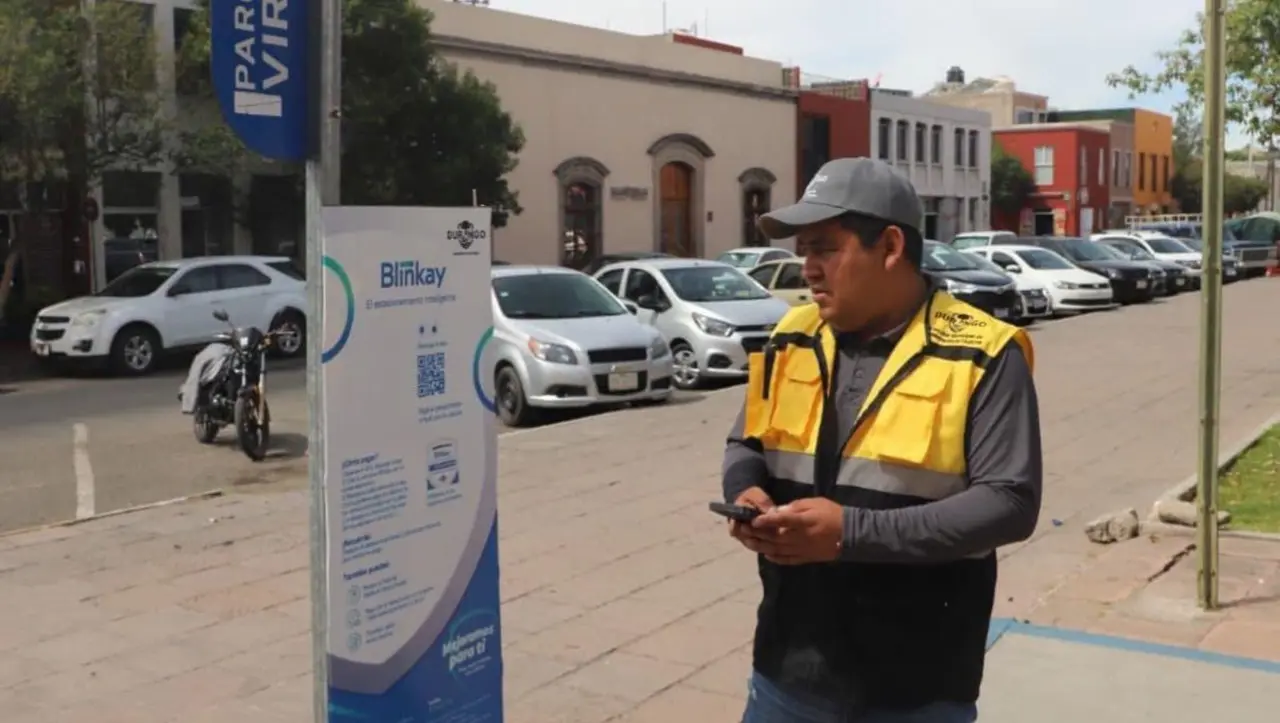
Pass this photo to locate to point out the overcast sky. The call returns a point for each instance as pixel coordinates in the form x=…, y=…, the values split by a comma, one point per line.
x=1059, y=48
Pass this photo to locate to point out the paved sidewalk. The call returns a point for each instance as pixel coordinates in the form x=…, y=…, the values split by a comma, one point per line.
x=623, y=599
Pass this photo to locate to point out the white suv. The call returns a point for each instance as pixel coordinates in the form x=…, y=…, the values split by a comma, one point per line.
x=168, y=305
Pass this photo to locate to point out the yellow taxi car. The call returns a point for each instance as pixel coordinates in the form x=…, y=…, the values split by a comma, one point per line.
x=784, y=280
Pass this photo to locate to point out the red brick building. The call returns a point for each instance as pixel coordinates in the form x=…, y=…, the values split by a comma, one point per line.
x=1071, y=167
x=833, y=122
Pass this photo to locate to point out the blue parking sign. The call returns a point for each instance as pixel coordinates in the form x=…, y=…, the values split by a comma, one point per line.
x=259, y=58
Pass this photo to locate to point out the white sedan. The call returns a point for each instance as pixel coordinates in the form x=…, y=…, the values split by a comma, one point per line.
x=1070, y=287
x=1033, y=297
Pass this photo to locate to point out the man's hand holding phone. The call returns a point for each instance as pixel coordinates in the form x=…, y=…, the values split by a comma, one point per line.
x=743, y=532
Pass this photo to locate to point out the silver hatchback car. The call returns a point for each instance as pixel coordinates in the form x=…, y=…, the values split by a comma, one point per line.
x=711, y=313
x=561, y=340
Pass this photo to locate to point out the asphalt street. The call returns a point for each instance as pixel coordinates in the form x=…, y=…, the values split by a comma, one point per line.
x=75, y=447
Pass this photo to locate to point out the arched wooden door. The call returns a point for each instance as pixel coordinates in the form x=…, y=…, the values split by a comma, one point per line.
x=676, y=211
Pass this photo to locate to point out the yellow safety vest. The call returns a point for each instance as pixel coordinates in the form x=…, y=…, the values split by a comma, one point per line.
x=910, y=436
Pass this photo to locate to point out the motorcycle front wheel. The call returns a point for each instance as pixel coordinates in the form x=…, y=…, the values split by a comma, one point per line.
x=253, y=434
x=202, y=424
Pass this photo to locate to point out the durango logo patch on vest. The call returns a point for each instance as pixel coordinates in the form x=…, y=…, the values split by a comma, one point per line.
x=958, y=327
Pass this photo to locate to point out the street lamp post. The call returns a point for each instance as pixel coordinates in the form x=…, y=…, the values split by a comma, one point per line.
x=1211, y=305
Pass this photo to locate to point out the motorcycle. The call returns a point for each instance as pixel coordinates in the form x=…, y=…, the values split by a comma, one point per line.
x=229, y=381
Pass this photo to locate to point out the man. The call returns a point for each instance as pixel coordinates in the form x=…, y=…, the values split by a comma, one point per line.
x=891, y=439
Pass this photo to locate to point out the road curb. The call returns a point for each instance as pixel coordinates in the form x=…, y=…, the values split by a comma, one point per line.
x=1177, y=504
x=209, y=495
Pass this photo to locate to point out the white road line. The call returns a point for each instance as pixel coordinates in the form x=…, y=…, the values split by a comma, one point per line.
x=86, y=502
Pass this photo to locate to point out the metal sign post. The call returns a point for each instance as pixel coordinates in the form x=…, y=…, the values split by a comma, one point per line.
x=276, y=69
x=1211, y=308
x=323, y=184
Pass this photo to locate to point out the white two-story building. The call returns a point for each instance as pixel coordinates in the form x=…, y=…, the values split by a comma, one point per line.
x=945, y=151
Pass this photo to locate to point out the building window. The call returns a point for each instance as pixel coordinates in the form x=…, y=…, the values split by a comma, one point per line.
x=1127, y=177
x=973, y=214
x=1142, y=171
x=883, y=139
x=757, y=195
x=1044, y=165
x=1084, y=166
x=973, y=149
x=1102, y=167
x=815, y=146
x=189, y=79
x=581, y=182
x=935, y=145
x=902, y=140
x=922, y=132
x=1022, y=116
x=1115, y=168
x=1155, y=179
x=958, y=151
x=1164, y=173
x=130, y=215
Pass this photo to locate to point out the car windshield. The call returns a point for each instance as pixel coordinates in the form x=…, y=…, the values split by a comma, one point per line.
x=138, y=282
x=554, y=296
x=739, y=259
x=1080, y=250
x=1167, y=246
x=986, y=264
x=1131, y=253
x=1044, y=260
x=713, y=283
x=944, y=258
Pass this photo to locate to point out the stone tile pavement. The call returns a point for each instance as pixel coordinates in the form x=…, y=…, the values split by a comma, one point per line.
x=1145, y=589
x=623, y=599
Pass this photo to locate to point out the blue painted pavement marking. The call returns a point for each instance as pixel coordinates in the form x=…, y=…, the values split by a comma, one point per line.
x=1008, y=626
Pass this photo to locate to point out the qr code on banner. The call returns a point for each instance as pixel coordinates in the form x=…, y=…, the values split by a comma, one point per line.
x=430, y=374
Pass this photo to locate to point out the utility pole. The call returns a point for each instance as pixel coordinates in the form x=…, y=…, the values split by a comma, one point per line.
x=324, y=183
x=1215, y=79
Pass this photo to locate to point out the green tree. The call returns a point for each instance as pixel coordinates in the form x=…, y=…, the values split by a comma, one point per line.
x=1252, y=61
x=1011, y=183
x=78, y=95
x=415, y=130
x=1240, y=194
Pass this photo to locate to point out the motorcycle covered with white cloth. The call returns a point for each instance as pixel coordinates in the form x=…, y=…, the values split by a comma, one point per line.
x=226, y=385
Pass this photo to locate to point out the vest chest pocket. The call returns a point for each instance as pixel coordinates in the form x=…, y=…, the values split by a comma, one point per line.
x=908, y=426
x=797, y=396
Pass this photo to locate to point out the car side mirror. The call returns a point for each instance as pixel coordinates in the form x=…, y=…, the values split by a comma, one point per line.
x=222, y=316
x=1013, y=268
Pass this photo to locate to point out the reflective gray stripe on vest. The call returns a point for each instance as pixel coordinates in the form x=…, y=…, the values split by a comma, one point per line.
x=868, y=474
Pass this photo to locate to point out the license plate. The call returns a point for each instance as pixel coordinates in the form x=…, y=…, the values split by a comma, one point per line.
x=624, y=382
x=1141, y=284
x=40, y=348
x=1002, y=313
x=1231, y=272
x=1181, y=281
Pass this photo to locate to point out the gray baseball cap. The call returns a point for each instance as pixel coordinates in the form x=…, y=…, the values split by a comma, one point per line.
x=849, y=185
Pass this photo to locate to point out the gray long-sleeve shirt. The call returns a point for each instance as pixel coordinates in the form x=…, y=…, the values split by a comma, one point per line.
x=1002, y=449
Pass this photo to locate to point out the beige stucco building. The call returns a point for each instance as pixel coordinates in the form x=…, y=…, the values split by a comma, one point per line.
x=632, y=143
x=998, y=97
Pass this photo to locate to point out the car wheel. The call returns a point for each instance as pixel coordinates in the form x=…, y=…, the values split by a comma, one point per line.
x=135, y=350
x=292, y=338
x=685, y=372
x=509, y=398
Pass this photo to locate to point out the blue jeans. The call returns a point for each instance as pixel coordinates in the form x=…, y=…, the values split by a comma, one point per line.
x=766, y=703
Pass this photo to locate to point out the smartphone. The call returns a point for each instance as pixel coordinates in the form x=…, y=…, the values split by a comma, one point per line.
x=737, y=513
